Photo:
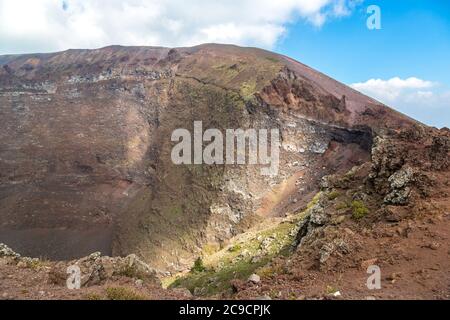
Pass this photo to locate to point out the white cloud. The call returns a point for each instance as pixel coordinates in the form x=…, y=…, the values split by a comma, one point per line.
x=392, y=89
x=48, y=25
x=425, y=100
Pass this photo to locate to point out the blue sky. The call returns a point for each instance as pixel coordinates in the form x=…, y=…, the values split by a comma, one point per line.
x=414, y=42
x=406, y=64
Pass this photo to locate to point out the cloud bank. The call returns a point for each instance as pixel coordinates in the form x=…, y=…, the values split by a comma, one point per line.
x=52, y=25
x=421, y=99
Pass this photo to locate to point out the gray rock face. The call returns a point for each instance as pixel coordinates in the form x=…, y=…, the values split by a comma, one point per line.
x=7, y=252
x=338, y=245
x=96, y=269
x=400, y=192
x=398, y=196
x=401, y=178
x=317, y=213
x=254, y=278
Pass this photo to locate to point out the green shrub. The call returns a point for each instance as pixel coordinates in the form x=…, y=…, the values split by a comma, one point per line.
x=235, y=248
x=129, y=272
x=331, y=290
x=198, y=266
x=359, y=210
x=93, y=297
x=272, y=59
x=122, y=293
x=333, y=195
x=314, y=200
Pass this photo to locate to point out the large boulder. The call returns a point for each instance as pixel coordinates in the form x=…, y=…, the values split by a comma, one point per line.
x=7, y=252
x=96, y=269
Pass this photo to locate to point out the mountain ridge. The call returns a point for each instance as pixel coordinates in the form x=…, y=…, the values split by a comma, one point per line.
x=89, y=130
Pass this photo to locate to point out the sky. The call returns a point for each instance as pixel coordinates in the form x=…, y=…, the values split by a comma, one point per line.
x=405, y=64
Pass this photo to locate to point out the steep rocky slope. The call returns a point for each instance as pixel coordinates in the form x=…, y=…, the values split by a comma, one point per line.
x=86, y=140
x=391, y=212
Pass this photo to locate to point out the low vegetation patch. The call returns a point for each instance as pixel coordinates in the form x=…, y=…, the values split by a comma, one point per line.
x=333, y=195
x=272, y=59
x=241, y=259
x=210, y=248
x=235, y=248
x=122, y=293
x=359, y=210
x=247, y=255
x=314, y=201
x=331, y=289
x=198, y=266
x=93, y=297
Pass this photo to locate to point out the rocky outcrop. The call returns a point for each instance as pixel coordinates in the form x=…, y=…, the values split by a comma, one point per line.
x=96, y=269
x=396, y=185
x=7, y=252
x=399, y=187
x=402, y=165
